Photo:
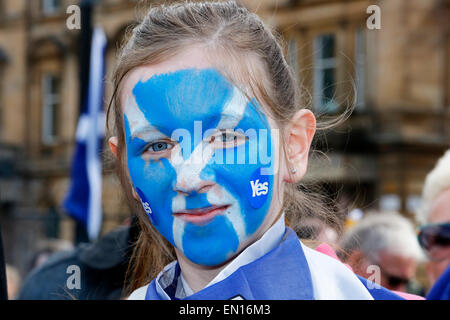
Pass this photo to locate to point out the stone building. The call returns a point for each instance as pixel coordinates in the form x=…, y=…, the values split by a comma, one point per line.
x=400, y=74
x=377, y=158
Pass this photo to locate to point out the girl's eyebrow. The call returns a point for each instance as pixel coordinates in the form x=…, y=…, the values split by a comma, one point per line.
x=147, y=133
x=227, y=120
x=230, y=119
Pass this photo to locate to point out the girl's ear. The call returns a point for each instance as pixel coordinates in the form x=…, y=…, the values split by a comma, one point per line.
x=299, y=135
x=113, y=142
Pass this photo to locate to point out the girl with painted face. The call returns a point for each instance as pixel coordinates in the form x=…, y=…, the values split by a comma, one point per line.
x=209, y=138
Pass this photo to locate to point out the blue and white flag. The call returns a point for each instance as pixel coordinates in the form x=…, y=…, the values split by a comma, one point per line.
x=84, y=200
x=287, y=272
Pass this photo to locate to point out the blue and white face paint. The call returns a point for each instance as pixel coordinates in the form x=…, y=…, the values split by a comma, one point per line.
x=195, y=160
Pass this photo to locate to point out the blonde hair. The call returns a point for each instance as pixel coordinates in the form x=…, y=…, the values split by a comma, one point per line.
x=380, y=231
x=228, y=29
x=436, y=181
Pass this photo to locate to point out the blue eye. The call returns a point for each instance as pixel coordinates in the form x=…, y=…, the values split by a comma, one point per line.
x=159, y=146
x=228, y=139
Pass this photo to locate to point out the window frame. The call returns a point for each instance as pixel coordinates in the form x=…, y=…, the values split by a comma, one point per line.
x=51, y=7
x=51, y=102
x=320, y=65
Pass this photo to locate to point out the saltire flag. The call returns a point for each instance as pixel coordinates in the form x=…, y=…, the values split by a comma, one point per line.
x=84, y=199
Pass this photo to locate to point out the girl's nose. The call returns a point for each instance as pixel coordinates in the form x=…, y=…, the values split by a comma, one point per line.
x=194, y=174
x=193, y=185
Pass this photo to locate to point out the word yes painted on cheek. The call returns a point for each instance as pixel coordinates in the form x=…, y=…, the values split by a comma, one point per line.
x=148, y=211
x=147, y=207
x=259, y=188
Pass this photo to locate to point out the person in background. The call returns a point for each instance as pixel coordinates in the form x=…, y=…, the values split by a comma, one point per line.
x=314, y=231
x=46, y=248
x=386, y=240
x=434, y=235
x=102, y=265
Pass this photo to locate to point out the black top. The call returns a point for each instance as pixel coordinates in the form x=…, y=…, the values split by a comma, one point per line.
x=101, y=269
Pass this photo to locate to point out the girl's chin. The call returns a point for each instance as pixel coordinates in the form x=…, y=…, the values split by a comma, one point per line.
x=212, y=261
x=209, y=258
x=214, y=254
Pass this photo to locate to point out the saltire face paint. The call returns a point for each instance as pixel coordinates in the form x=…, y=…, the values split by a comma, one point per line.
x=194, y=156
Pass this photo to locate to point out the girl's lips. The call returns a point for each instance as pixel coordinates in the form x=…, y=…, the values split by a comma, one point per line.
x=202, y=215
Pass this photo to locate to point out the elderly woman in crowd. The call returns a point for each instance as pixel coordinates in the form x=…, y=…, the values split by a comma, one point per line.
x=434, y=236
x=386, y=243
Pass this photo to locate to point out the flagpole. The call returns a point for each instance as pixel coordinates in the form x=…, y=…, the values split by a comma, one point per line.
x=84, y=198
x=81, y=234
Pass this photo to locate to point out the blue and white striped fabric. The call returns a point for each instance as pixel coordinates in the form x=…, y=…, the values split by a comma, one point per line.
x=83, y=201
x=276, y=267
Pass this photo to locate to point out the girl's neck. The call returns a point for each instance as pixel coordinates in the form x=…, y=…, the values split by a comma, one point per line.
x=197, y=276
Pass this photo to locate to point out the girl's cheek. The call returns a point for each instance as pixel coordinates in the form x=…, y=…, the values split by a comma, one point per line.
x=153, y=182
x=250, y=188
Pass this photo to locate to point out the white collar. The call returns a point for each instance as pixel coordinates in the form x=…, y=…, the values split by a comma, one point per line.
x=271, y=238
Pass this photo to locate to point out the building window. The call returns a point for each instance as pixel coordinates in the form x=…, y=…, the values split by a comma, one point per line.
x=325, y=73
x=50, y=6
x=50, y=108
x=360, y=66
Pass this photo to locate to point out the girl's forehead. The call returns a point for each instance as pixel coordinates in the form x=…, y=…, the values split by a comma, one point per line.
x=190, y=58
x=189, y=98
